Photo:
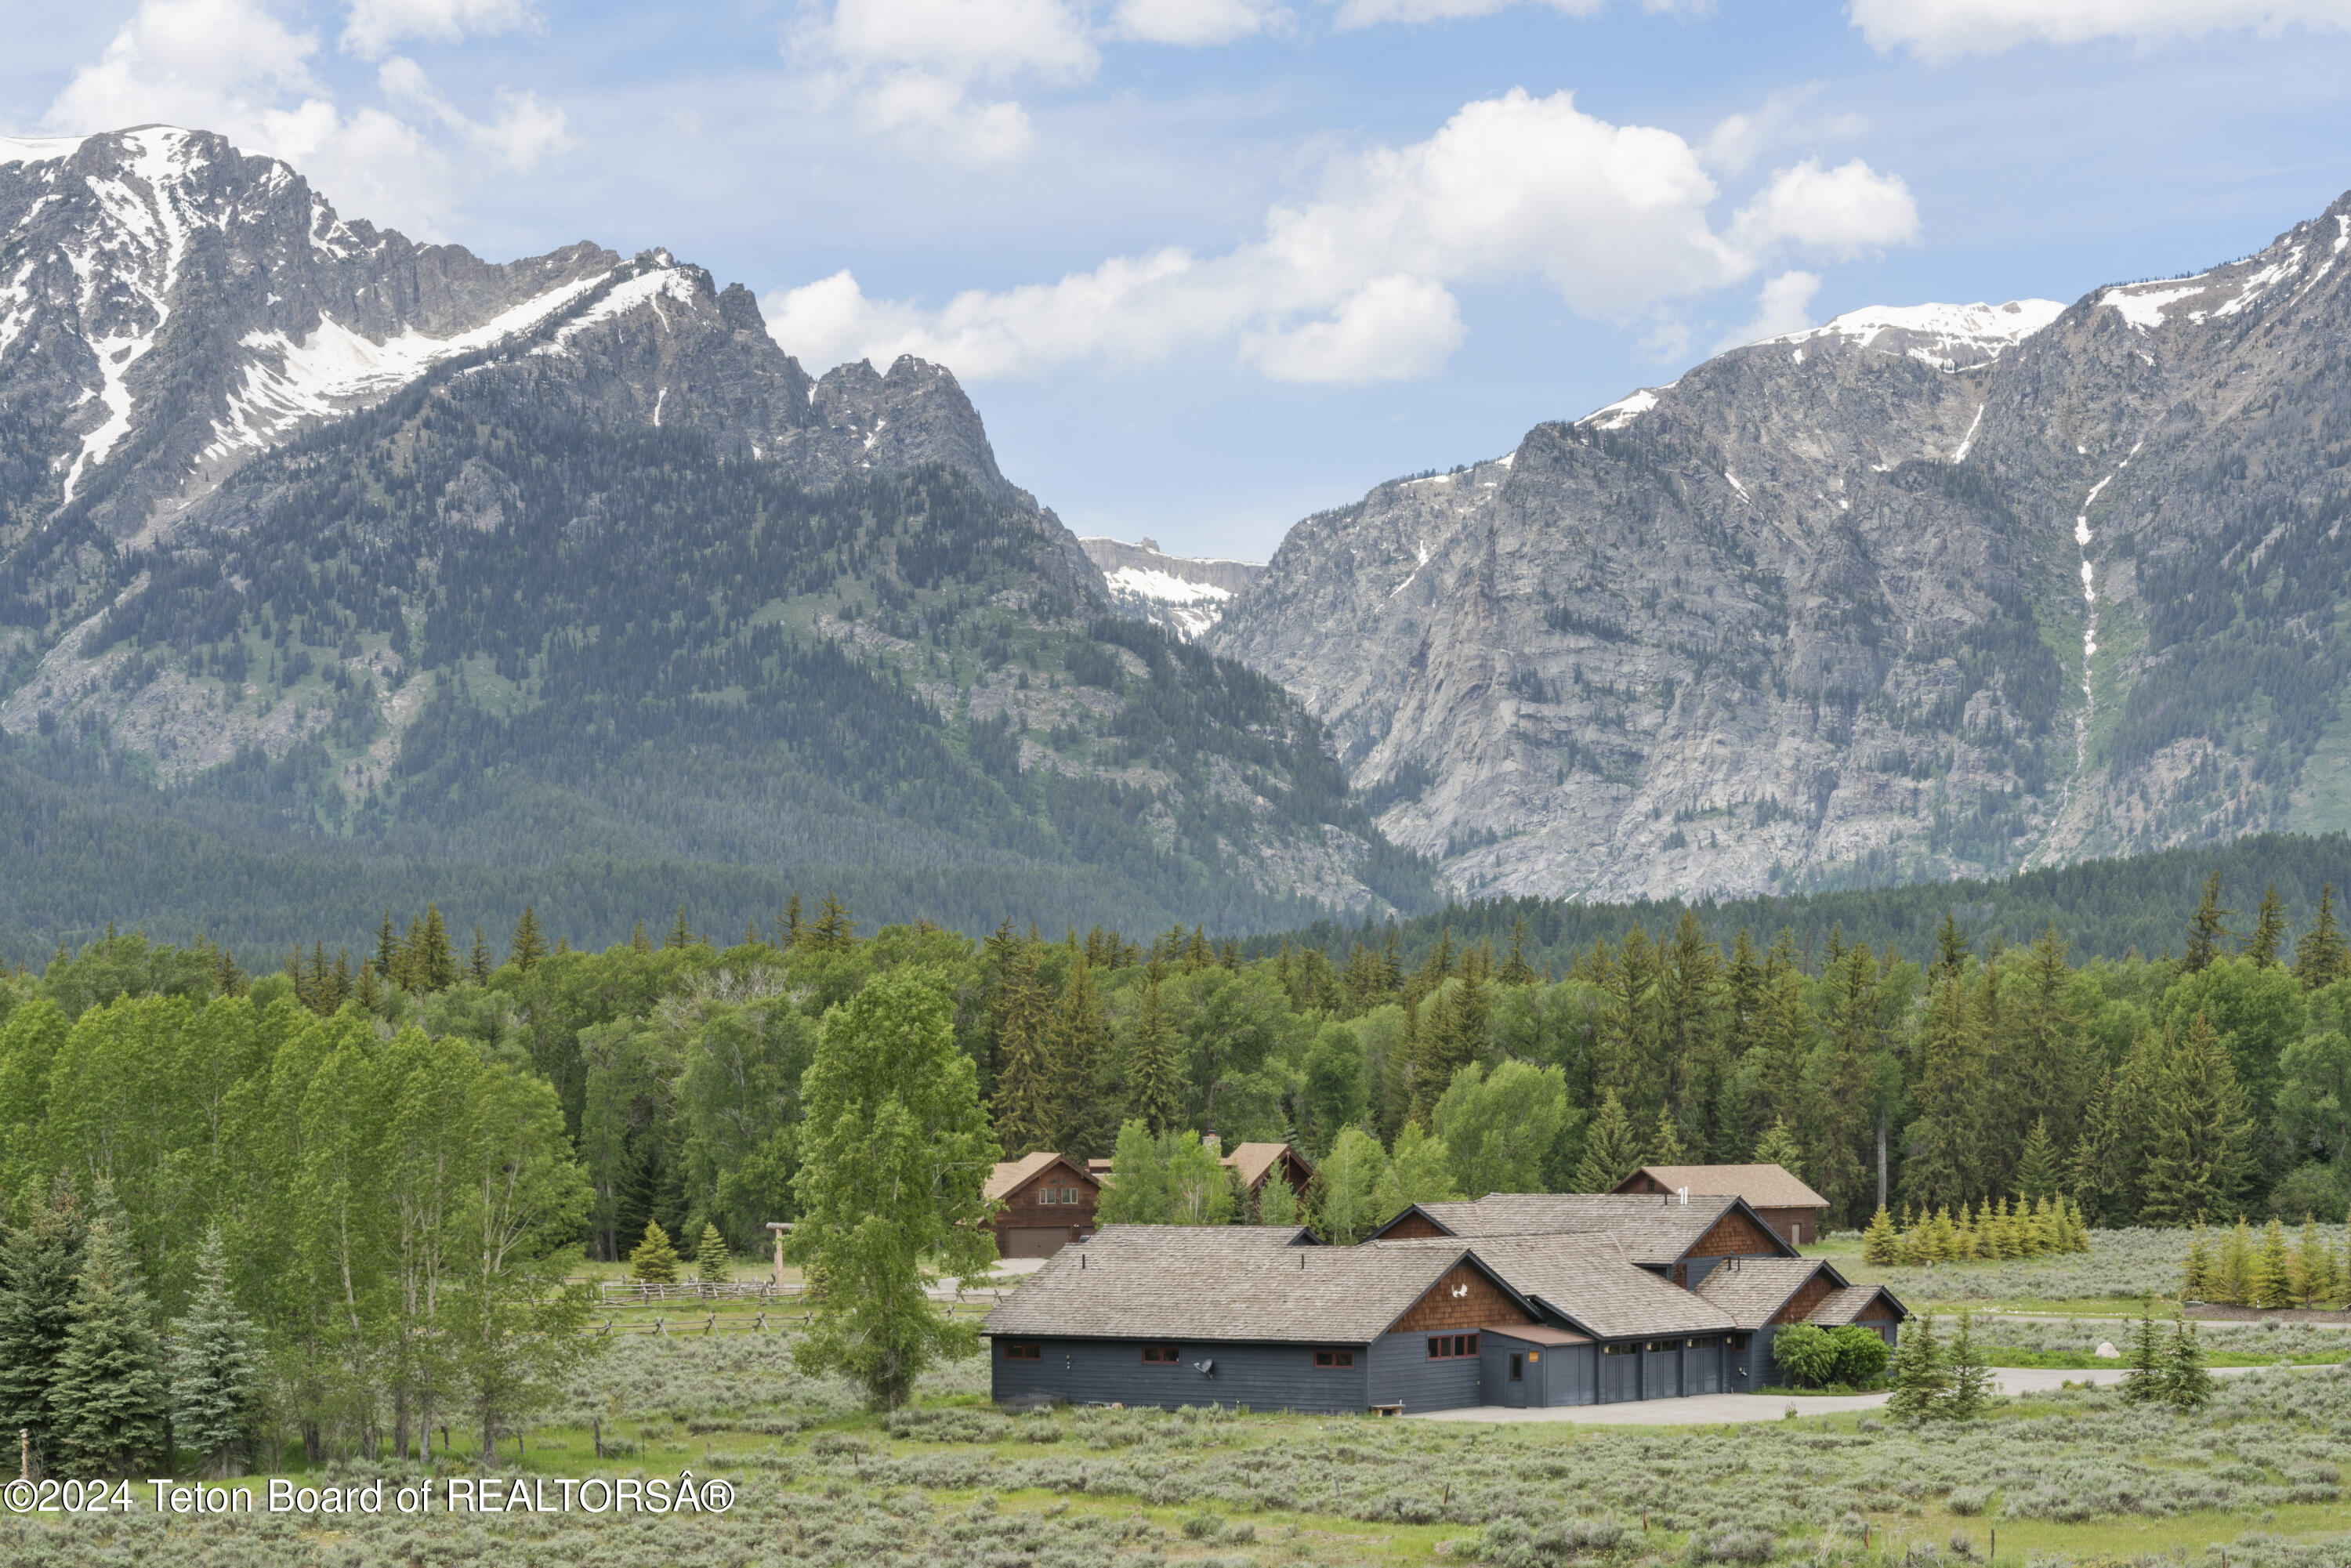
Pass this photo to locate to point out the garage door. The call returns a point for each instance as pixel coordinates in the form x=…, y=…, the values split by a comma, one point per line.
x=1035, y=1242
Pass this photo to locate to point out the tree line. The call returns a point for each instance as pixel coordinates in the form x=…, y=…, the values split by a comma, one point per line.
x=375, y=1173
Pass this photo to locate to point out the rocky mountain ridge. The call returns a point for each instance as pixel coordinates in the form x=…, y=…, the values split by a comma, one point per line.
x=324, y=533
x=1918, y=593
x=1184, y=594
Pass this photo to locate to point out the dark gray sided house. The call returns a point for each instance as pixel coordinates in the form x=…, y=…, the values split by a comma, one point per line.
x=1515, y=1299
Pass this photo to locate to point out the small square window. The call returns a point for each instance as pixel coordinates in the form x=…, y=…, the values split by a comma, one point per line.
x=1048, y=1195
x=1070, y=1194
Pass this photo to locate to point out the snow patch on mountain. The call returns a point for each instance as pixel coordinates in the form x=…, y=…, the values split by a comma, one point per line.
x=1623, y=412
x=38, y=149
x=331, y=370
x=1186, y=596
x=1947, y=336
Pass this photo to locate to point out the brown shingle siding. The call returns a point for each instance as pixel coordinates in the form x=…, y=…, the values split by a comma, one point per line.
x=1809, y=1294
x=1736, y=1236
x=1477, y=1304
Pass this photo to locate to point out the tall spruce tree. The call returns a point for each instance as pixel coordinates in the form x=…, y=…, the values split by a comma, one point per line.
x=2200, y=1149
x=112, y=1395
x=1027, y=1097
x=40, y=1262
x=2186, y=1386
x=215, y=1365
x=1612, y=1149
x=435, y=963
x=526, y=946
x=1084, y=1120
x=2268, y=939
x=477, y=963
x=2322, y=956
x=2143, y=1378
x=1778, y=1146
x=1155, y=1070
x=2208, y=927
x=2036, y=1167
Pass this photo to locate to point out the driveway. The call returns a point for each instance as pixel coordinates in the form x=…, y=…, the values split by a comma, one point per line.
x=1720, y=1410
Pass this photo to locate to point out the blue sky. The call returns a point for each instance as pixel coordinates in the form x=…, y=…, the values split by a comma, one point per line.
x=1206, y=265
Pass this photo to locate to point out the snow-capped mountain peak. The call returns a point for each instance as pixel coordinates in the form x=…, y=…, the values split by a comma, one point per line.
x=1948, y=337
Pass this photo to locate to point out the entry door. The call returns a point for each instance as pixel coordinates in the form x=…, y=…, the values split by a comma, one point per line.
x=1514, y=1381
x=1620, y=1377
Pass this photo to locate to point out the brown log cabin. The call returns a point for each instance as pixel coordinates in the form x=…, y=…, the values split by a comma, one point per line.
x=1049, y=1202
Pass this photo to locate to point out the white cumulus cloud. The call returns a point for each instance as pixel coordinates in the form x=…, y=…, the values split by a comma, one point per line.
x=1841, y=212
x=232, y=67
x=1357, y=285
x=1946, y=29
x=1783, y=305
x=1372, y=13
x=375, y=26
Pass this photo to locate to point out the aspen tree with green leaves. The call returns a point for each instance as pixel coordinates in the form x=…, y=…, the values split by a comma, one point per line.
x=896, y=1152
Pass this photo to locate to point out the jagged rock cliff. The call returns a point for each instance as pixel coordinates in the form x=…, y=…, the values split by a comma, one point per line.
x=1920, y=592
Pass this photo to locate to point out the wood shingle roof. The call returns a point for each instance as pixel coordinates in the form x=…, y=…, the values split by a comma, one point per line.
x=1584, y=1280
x=1752, y=1289
x=1847, y=1304
x=1210, y=1283
x=1654, y=1230
x=1763, y=1186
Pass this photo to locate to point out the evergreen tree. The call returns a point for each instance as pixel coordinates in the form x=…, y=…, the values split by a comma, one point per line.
x=2196, y=1277
x=2232, y=1272
x=112, y=1396
x=1155, y=1070
x=2269, y=930
x=215, y=1365
x=2270, y=1285
x=1515, y=969
x=1277, y=1200
x=436, y=965
x=1948, y=1138
x=228, y=980
x=2143, y=1379
x=478, y=965
x=2036, y=1167
x=387, y=950
x=40, y=1262
x=796, y=933
x=713, y=1265
x=1778, y=1146
x=1136, y=1192
x=638, y=941
x=2186, y=1384
x=2207, y=928
x=527, y=946
x=2322, y=956
x=1971, y=1380
x=681, y=935
x=1028, y=1095
x=1079, y=1052
x=1665, y=1144
x=835, y=930
x=654, y=1262
x=1612, y=1150
x=369, y=991
x=1879, y=1243
x=2314, y=1281
x=2198, y=1151
x=2097, y=1171
x=1918, y=1378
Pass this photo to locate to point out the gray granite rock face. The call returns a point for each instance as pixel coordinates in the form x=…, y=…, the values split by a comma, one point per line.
x=1817, y=614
